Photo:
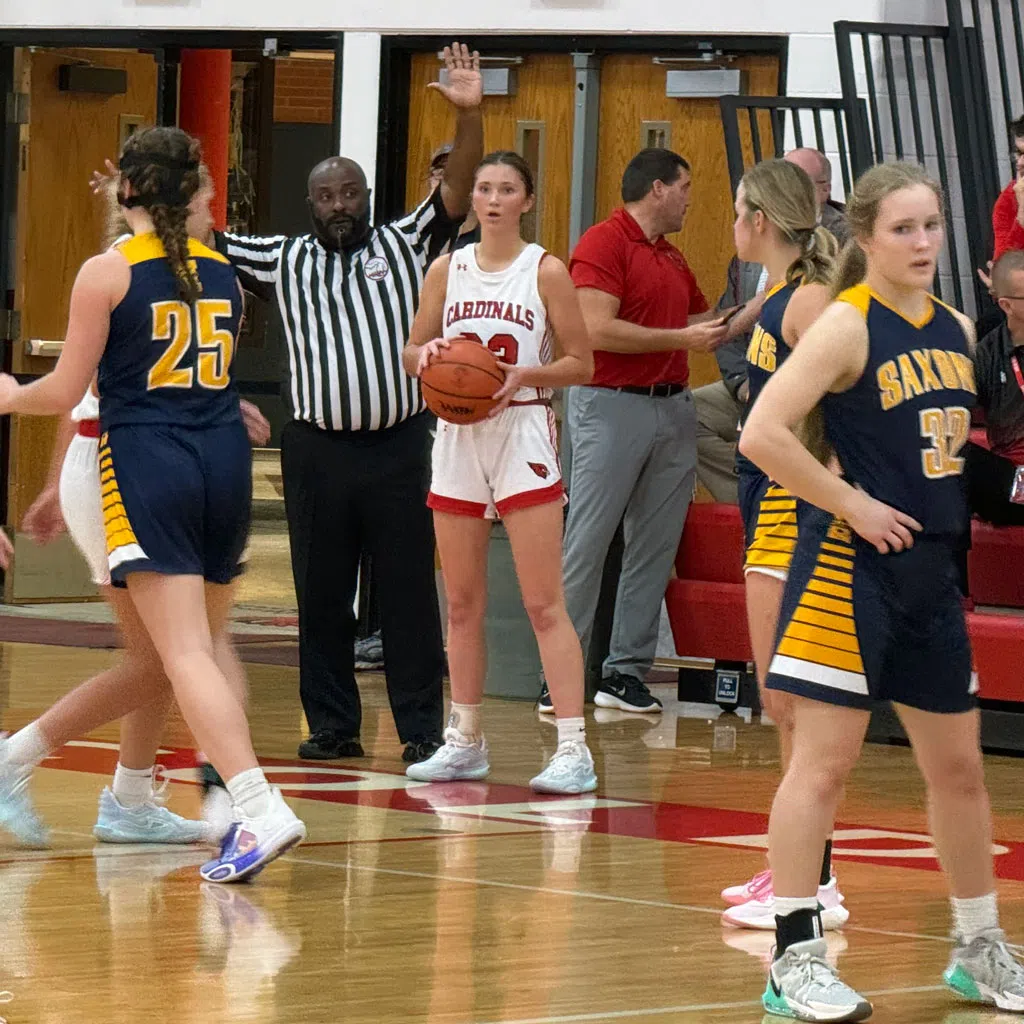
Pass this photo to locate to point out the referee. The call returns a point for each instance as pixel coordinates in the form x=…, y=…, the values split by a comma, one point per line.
x=355, y=457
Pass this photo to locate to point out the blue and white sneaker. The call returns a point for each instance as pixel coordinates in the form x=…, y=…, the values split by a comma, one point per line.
x=570, y=770
x=252, y=843
x=147, y=823
x=17, y=814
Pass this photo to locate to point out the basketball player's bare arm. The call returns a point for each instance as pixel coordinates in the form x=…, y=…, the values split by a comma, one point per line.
x=807, y=304
x=610, y=334
x=425, y=337
x=574, y=359
x=44, y=521
x=830, y=357
x=101, y=284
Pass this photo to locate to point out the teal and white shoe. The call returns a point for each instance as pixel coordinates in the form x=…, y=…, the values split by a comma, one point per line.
x=802, y=985
x=17, y=814
x=455, y=761
x=986, y=971
x=148, y=823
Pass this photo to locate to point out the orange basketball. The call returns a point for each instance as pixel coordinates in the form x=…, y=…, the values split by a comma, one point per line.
x=459, y=385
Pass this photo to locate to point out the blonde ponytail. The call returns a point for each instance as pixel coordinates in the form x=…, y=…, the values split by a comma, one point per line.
x=851, y=268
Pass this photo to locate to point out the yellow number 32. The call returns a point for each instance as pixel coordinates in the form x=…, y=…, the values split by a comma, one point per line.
x=948, y=430
x=173, y=324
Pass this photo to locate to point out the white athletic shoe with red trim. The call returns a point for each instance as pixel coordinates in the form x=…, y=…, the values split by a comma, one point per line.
x=760, y=913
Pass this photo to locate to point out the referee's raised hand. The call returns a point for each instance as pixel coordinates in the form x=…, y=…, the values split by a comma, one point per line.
x=464, y=88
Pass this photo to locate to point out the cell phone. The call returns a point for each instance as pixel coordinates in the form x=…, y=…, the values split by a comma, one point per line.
x=1017, y=487
x=729, y=314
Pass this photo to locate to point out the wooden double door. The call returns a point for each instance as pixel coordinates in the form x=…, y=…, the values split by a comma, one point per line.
x=634, y=113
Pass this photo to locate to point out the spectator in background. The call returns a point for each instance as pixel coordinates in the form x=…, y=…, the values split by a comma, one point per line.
x=1008, y=211
x=818, y=168
x=719, y=405
x=999, y=374
x=633, y=431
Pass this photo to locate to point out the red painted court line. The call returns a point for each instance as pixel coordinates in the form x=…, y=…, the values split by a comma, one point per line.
x=639, y=819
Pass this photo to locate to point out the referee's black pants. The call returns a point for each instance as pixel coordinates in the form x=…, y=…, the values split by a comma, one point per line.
x=346, y=492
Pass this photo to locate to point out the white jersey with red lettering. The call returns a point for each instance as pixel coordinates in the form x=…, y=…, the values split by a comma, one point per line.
x=502, y=310
x=507, y=463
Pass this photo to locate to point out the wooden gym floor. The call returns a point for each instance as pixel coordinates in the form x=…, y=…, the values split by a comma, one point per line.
x=468, y=903
x=472, y=902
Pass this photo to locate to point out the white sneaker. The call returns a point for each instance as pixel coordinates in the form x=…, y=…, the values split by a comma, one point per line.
x=570, y=770
x=455, y=760
x=252, y=843
x=760, y=913
x=149, y=822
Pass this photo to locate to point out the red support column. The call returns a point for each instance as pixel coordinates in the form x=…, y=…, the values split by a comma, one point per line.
x=204, y=110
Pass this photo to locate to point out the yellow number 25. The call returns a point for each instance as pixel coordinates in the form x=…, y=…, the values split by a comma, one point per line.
x=173, y=324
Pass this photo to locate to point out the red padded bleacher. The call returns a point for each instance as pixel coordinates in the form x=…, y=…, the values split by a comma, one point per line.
x=706, y=603
x=707, y=607
x=995, y=565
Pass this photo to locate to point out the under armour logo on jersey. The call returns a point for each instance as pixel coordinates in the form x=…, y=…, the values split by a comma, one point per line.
x=462, y=266
x=540, y=469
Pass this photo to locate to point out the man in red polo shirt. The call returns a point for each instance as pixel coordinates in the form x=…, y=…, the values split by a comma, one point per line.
x=633, y=430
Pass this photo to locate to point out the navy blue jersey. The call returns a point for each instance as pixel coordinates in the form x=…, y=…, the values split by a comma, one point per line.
x=899, y=430
x=766, y=352
x=165, y=361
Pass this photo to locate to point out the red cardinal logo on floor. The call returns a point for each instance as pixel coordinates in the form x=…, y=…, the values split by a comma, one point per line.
x=540, y=469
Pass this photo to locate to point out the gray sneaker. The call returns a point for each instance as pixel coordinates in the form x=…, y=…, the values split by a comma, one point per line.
x=802, y=985
x=986, y=971
x=369, y=653
x=570, y=771
x=454, y=761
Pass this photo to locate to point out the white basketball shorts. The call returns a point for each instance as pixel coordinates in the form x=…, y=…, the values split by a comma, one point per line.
x=82, y=507
x=489, y=469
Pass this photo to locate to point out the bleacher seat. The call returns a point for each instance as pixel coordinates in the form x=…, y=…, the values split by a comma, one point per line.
x=707, y=607
x=995, y=565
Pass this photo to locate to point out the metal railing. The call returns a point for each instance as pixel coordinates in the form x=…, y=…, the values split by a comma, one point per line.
x=760, y=127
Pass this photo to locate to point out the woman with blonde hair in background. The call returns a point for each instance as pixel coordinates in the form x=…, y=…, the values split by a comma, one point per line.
x=777, y=227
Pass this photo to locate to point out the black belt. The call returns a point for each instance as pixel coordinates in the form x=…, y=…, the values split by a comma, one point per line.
x=651, y=390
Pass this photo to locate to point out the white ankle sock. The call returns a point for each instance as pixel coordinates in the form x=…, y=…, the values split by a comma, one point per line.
x=132, y=786
x=27, y=747
x=465, y=720
x=571, y=729
x=788, y=904
x=974, y=916
x=250, y=792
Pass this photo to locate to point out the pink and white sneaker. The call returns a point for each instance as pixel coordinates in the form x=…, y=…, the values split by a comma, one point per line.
x=757, y=888
x=760, y=912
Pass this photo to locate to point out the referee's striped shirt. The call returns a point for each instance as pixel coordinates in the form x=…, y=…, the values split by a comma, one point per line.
x=347, y=315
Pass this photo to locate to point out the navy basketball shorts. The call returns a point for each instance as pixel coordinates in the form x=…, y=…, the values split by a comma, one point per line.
x=176, y=500
x=769, y=523
x=857, y=626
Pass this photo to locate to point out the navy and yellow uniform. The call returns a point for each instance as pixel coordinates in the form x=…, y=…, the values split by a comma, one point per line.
x=769, y=511
x=857, y=625
x=175, y=462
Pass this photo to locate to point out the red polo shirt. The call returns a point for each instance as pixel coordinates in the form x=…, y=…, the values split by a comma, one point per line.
x=655, y=288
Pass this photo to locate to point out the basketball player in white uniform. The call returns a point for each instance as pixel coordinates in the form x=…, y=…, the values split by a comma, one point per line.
x=520, y=303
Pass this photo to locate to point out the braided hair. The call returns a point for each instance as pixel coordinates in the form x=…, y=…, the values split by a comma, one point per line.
x=162, y=166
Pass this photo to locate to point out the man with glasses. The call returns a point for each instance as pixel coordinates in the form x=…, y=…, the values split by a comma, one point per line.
x=999, y=375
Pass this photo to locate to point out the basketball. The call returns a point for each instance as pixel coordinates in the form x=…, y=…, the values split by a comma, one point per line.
x=459, y=385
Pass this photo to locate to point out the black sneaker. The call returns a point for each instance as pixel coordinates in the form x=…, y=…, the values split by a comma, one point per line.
x=420, y=750
x=369, y=653
x=626, y=693
x=327, y=745
x=544, y=705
